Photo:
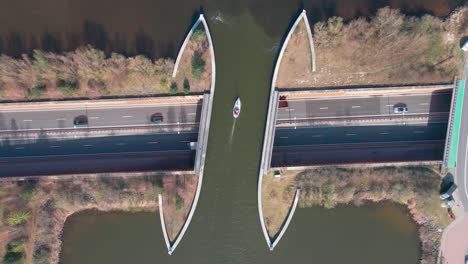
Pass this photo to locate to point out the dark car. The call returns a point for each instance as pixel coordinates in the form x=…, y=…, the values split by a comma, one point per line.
x=157, y=118
x=81, y=120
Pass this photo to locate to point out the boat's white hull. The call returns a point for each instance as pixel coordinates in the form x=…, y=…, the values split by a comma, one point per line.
x=237, y=108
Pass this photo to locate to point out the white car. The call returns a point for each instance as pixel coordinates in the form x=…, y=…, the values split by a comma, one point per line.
x=400, y=110
x=465, y=46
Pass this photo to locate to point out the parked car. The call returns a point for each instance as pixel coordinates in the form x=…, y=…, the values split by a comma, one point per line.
x=81, y=120
x=400, y=109
x=448, y=192
x=157, y=118
x=449, y=202
x=465, y=46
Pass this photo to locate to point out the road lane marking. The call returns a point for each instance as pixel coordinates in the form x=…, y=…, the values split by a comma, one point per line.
x=384, y=133
x=54, y=147
x=87, y=145
x=350, y=134
x=291, y=109
x=120, y=144
x=192, y=113
x=388, y=105
x=94, y=117
x=323, y=108
x=61, y=119
x=127, y=116
x=418, y=132
x=19, y=148
x=356, y=106
x=424, y=104
x=283, y=137
x=27, y=120
x=316, y=135
x=152, y=142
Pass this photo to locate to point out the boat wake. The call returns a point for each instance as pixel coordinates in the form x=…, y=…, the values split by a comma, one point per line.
x=233, y=127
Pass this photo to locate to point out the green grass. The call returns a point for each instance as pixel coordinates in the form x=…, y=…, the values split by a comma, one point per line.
x=36, y=92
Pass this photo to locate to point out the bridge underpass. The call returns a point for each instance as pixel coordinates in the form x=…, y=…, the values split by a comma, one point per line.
x=340, y=130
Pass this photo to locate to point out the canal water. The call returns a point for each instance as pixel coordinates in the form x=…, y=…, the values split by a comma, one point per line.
x=225, y=227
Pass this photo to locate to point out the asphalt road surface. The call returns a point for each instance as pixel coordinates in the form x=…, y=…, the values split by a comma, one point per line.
x=461, y=169
x=97, y=163
x=359, y=134
x=357, y=153
x=364, y=106
x=99, y=116
x=166, y=142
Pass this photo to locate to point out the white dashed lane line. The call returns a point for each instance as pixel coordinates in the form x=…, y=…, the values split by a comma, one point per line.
x=323, y=108
x=88, y=145
x=27, y=120
x=127, y=116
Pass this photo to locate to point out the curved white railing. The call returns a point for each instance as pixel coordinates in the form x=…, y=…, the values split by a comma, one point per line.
x=272, y=244
x=182, y=48
x=288, y=220
x=172, y=247
x=311, y=39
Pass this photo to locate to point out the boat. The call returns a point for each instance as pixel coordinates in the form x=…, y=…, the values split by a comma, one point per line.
x=237, y=108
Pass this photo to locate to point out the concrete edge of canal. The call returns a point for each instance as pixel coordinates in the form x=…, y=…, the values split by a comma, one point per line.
x=202, y=144
x=269, y=134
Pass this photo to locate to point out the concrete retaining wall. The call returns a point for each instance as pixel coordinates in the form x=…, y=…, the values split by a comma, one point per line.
x=202, y=142
x=450, y=126
x=288, y=219
x=269, y=131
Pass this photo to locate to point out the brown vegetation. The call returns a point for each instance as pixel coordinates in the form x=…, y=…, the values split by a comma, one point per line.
x=85, y=72
x=277, y=197
x=296, y=65
x=415, y=187
x=50, y=201
x=194, y=72
x=390, y=48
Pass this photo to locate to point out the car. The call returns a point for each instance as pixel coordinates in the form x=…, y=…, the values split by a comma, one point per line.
x=400, y=109
x=448, y=192
x=465, y=46
x=81, y=120
x=157, y=118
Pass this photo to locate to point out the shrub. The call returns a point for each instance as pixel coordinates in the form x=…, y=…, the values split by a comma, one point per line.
x=173, y=89
x=179, y=202
x=198, y=65
x=18, y=218
x=186, y=86
x=328, y=195
x=163, y=83
x=36, y=91
x=67, y=88
x=197, y=34
x=15, y=251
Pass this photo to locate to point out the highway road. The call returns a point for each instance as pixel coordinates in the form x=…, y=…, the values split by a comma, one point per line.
x=97, y=163
x=289, y=136
x=329, y=154
x=364, y=106
x=94, y=145
x=98, y=116
x=461, y=170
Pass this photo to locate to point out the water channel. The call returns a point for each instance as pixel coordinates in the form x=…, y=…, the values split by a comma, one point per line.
x=225, y=227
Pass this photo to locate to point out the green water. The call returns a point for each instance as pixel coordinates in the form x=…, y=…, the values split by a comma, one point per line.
x=226, y=227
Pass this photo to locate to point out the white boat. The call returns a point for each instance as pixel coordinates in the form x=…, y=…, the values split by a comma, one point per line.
x=237, y=108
